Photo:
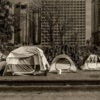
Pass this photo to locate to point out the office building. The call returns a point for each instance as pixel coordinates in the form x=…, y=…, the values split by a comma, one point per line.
x=73, y=16
x=78, y=17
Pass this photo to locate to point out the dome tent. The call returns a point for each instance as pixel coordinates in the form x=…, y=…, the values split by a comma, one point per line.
x=26, y=60
x=64, y=63
x=91, y=63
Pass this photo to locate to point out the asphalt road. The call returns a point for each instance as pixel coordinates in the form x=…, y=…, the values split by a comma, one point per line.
x=65, y=95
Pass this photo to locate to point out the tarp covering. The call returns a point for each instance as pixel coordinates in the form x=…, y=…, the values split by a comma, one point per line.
x=92, y=63
x=64, y=63
x=25, y=59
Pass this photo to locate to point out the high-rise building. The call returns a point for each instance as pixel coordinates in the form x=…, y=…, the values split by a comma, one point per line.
x=26, y=24
x=96, y=15
x=21, y=23
x=96, y=22
x=76, y=13
x=54, y=18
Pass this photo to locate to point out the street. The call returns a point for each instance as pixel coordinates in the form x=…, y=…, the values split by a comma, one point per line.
x=55, y=95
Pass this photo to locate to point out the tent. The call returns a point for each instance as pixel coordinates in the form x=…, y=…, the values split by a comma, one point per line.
x=91, y=63
x=26, y=60
x=64, y=63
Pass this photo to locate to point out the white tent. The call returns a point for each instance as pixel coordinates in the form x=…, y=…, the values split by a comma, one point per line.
x=26, y=60
x=64, y=63
x=92, y=63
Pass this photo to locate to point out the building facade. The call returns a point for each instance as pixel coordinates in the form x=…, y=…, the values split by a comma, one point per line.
x=55, y=20
x=96, y=15
x=26, y=24
x=76, y=13
x=96, y=22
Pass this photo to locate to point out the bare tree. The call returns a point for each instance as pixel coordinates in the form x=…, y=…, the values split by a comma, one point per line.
x=64, y=26
x=51, y=17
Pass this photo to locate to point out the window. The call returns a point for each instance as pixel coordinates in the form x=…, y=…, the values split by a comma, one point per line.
x=73, y=9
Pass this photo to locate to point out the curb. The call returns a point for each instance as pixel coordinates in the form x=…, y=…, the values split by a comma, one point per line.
x=49, y=82
x=49, y=88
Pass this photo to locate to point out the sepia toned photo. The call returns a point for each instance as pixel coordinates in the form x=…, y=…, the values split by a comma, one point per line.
x=49, y=49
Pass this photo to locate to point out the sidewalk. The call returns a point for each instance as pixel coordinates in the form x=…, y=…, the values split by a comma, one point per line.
x=80, y=75
x=89, y=80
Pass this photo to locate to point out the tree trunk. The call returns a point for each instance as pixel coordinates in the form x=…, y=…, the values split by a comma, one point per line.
x=62, y=43
x=51, y=37
x=61, y=39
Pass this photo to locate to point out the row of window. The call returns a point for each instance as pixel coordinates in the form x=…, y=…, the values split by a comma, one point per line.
x=69, y=42
x=67, y=7
x=64, y=1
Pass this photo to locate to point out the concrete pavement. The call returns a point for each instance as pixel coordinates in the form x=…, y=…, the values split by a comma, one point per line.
x=80, y=75
x=58, y=95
